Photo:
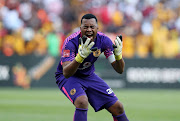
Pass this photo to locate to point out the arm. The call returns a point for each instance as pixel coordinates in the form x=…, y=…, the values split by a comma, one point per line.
x=118, y=66
x=70, y=67
x=119, y=63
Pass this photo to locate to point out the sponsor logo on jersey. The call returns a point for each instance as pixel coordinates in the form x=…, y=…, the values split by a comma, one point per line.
x=109, y=91
x=73, y=91
x=66, y=53
x=97, y=53
x=85, y=65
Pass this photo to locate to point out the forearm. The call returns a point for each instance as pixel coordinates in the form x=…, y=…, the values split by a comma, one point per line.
x=118, y=66
x=70, y=68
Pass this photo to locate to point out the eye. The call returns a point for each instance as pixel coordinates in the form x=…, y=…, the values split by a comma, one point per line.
x=85, y=27
x=92, y=27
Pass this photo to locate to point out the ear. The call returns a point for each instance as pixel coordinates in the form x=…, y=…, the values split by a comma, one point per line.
x=97, y=27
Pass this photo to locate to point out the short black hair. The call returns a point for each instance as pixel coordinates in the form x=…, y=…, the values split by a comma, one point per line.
x=88, y=16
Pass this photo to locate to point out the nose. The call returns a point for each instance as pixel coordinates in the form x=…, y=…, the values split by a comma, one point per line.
x=89, y=29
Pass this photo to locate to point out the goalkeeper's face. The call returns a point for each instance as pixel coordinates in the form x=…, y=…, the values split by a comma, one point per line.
x=89, y=28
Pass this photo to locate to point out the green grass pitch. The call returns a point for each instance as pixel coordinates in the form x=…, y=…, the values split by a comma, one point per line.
x=51, y=105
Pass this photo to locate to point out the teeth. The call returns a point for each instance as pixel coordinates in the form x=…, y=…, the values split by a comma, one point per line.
x=89, y=34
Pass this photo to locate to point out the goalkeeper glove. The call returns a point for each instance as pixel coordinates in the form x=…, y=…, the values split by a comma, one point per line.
x=84, y=49
x=118, y=47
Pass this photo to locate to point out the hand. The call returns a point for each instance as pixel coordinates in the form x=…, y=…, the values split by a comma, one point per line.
x=84, y=50
x=118, y=47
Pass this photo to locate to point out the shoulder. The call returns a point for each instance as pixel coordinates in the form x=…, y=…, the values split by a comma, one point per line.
x=101, y=34
x=72, y=39
x=103, y=37
x=73, y=36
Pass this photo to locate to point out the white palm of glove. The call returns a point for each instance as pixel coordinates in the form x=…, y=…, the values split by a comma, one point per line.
x=119, y=44
x=84, y=49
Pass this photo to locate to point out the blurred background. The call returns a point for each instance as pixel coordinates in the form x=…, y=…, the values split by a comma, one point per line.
x=32, y=33
x=31, y=36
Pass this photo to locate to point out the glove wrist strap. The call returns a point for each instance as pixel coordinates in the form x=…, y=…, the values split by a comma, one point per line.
x=79, y=59
x=118, y=57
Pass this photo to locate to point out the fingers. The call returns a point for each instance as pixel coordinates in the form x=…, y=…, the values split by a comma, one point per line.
x=94, y=49
x=120, y=38
x=116, y=42
x=114, y=46
x=81, y=42
x=90, y=45
x=87, y=42
x=84, y=38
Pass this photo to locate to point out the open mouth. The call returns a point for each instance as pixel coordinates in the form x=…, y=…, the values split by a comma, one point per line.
x=89, y=35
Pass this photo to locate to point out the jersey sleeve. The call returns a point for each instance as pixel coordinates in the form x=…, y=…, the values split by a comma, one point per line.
x=108, y=46
x=68, y=52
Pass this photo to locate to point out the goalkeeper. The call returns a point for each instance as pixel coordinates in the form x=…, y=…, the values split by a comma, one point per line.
x=75, y=75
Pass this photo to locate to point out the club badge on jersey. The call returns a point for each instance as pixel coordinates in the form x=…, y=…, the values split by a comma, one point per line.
x=97, y=53
x=73, y=91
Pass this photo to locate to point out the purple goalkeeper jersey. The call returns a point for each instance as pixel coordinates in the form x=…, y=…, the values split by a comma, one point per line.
x=70, y=50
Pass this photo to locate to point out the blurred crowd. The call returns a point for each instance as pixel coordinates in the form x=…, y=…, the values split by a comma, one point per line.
x=150, y=28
